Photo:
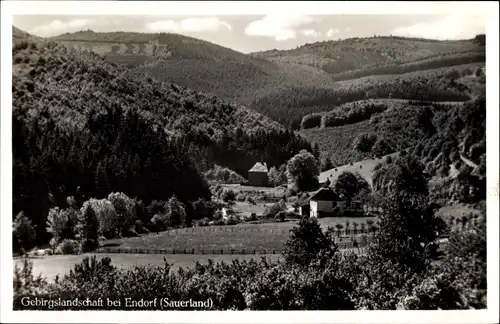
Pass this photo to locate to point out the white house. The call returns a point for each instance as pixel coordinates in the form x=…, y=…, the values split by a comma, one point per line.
x=323, y=202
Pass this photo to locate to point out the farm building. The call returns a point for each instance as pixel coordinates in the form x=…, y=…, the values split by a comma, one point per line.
x=325, y=202
x=257, y=175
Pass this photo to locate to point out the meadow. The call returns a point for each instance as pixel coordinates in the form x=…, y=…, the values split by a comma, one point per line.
x=262, y=238
x=364, y=168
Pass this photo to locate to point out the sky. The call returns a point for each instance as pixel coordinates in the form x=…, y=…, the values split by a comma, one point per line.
x=251, y=33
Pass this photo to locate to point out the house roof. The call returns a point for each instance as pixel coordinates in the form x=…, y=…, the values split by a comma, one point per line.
x=259, y=167
x=324, y=194
x=305, y=202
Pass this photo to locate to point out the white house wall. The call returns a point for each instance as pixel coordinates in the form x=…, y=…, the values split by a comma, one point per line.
x=314, y=209
x=320, y=206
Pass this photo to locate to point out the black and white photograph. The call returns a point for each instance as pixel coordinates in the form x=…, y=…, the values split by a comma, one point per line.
x=268, y=157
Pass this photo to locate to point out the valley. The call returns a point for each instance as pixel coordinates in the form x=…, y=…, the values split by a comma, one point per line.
x=136, y=147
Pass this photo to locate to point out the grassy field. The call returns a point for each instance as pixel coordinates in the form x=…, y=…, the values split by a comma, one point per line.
x=248, y=237
x=245, y=208
x=364, y=168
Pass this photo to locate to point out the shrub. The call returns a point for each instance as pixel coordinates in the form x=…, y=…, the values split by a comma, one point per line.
x=203, y=208
x=228, y=195
x=241, y=197
x=275, y=209
x=231, y=220
x=202, y=222
x=68, y=247
x=280, y=216
x=251, y=200
x=158, y=223
x=217, y=215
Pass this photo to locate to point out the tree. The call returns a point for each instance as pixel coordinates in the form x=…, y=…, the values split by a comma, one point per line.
x=307, y=242
x=274, y=176
x=349, y=184
x=355, y=227
x=275, y=209
x=365, y=142
x=176, y=213
x=125, y=209
x=339, y=228
x=88, y=228
x=277, y=176
x=408, y=229
x=363, y=227
x=303, y=171
x=23, y=232
x=57, y=221
x=69, y=231
x=381, y=148
x=315, y=151
x=110, y=224
x=406, y=173
x=157, y=223
x=328, y=183
x=459, y=280
x=326, y=164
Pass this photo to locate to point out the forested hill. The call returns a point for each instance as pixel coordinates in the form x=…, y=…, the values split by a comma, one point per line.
x=79, y=121
x=357, y=57
x=189, y=61
x=283, y=85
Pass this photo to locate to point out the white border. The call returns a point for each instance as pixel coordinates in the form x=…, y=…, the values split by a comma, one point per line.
x=489, y=9
x=168, y=8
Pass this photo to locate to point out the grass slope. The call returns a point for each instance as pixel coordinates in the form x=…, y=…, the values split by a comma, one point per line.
x=364, y=168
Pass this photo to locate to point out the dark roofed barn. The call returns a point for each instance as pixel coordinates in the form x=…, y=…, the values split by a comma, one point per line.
x=257, y=175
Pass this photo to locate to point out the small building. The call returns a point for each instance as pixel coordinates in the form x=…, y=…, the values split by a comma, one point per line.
x=323, y=202
x=257, y=175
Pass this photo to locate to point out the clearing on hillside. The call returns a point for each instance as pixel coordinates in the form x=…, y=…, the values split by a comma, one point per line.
x=364, y=168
